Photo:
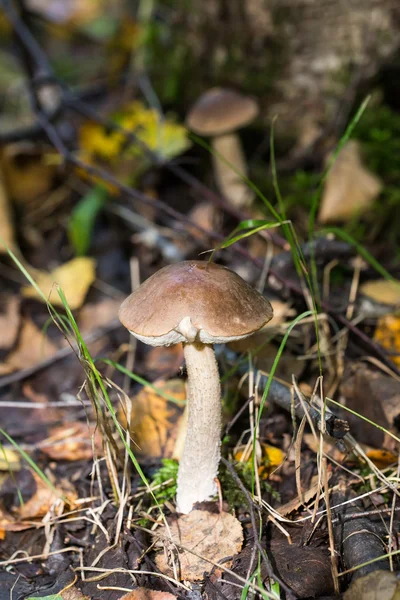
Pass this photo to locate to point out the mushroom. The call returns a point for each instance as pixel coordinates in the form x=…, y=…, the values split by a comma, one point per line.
x=218, y=113
x=198, y=304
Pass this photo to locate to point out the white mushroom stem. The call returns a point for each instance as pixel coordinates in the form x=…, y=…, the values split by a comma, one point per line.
x=230, y=184
x=201, y=453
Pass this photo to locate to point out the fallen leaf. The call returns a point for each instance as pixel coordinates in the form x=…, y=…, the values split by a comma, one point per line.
x=72, y=441
x=73, y=593
x=142, y=593
x=349, y=187
x=212, y=536
x=387, y=333
x=378, y=585
x=40, y=503
x=95, y=315
x=271, y=458
x=74, y=278
x=10, y=460
x=159, y=133
x=382, y=291
x=7, y=237
x=9, y=321
x=164, y=361
x=381, y=458
x=155, y=420
x=44, y=498
x=33, y=347
x=28, y=174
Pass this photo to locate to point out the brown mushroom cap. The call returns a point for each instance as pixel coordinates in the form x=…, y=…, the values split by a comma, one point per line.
x=219, y=111
x=209, y=301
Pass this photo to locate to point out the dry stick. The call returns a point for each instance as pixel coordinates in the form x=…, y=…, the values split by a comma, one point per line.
x=250, y=505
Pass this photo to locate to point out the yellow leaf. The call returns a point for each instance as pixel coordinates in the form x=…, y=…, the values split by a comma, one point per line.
x=387, y=333
x=159, y=134
x=155, y=420
x=382, y=291
x=74, y=277
x=381, y=458
x=95, y=140
x=10, y=460
x=32, y=348
x=271, y=458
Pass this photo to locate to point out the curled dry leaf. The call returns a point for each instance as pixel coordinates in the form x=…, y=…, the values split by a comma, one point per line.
x=378, y=585
x=349, y=187
x=142, y=593
x=32, y=348
x=74, y=278
x=213, y=537
x=9, y=320
x=72, y=441
x=34, y=509
x=155, y=420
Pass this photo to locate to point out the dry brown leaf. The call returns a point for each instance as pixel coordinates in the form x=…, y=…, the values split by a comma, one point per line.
x=40, y=503
x=382, y=291
x=349, y=187
x=9, y=320
x=27, y=173
x=10, y=523
x=74, y=277
x=212, y=536
x=155, y=420
x=378, y=585
x=142, y=593
x=72, y=441
x=44, y=498
x=164, y=361
x=92, y=316
x=33, y=347
x=73, y=593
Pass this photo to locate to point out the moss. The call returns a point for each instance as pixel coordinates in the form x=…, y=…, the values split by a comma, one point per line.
x=169, y=470
x=230, y=489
